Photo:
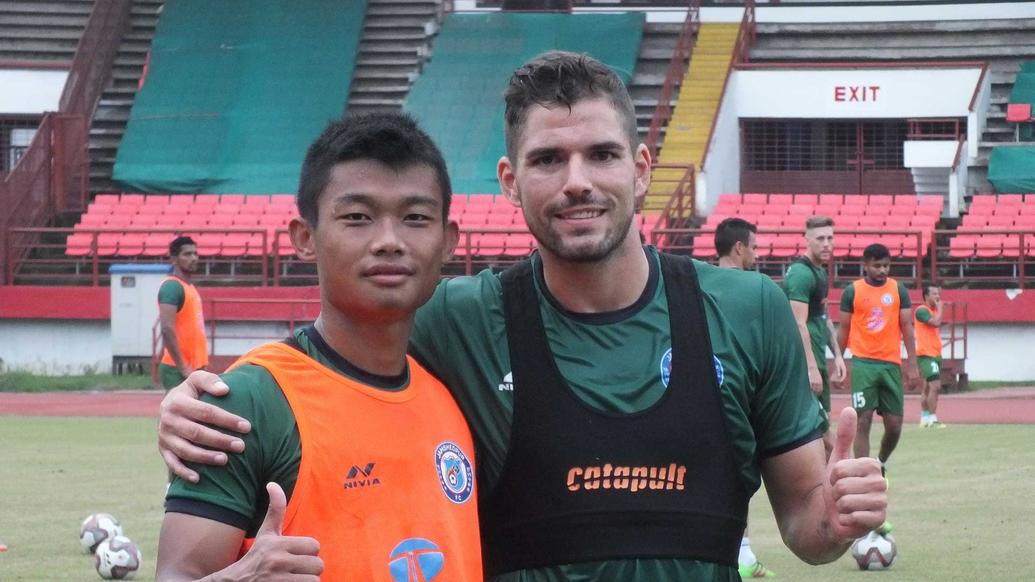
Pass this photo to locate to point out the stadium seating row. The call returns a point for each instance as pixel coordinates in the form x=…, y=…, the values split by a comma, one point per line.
x=1005, y=212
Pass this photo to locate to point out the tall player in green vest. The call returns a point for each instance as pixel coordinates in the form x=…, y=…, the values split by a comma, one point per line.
x=806, y=286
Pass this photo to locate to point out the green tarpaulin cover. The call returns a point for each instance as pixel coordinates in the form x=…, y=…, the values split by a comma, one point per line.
x=237, y=89
x=459, y=97
x=1012, y=169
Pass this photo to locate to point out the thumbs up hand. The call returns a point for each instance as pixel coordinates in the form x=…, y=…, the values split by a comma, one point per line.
x=855, y=493
x=274, y=556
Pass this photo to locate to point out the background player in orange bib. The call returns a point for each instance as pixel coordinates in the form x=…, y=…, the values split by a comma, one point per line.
x=876, y=320
x=180, y=316
x=927, y=319
x=368, y=460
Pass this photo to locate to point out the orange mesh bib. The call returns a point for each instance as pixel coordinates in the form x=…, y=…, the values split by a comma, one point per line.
x=386, y=480
x=928, y=340
x=876, y=330
x=190, y=329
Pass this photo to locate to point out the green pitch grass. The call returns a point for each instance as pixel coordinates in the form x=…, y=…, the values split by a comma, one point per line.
x=961, y=501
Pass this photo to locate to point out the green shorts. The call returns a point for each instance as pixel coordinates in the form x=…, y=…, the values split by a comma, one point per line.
x=169, y=376
x=824, y=397
x=930, y=367
x=877, y=385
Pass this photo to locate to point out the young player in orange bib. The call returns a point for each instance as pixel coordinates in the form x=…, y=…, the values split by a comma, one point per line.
x=180, y=316
x=360, y=465
x=927, y=320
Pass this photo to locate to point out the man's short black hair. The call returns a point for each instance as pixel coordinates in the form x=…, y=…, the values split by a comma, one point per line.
x=876, y=252
x=730, y=232
x=393, y=139
x=178, y=243
x=927, y=290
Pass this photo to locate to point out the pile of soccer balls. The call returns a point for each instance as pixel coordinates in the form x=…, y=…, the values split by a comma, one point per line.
x=874, y=551
x=116, y=556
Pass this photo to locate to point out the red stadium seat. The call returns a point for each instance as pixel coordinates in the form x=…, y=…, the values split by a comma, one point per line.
x=144, y=220
x=235, y=244
x=119, y=220
x=1001, y=221
x=781, y=199
x=754, y=198
x=881, y=199
x=1011, y=245
x=989, y=246
x=253, y=209
x=981, y=210
x=221, y=220
x=499, y=219
x=256, y=200
x=108, y=243
x=871, y=222
x=131, y=244
x=246, y=220
x=856, y=200
x=764, y=242
x=831, y=200
x=283, y=199
x=109, y=199
x=827, y=210
x=769, y=220
x=209, y=243
x=731, y=199
x=806, y=199
x=132, y=199
x=853, y=210
x=94, y=220
x=897, y=221
x=519, y=245
x=235, y=199
x=704, y=246
x=79, y=244
x=962, y=246
x=751, y=212
x=157, y=245
x=156, y=200
x=786, y=245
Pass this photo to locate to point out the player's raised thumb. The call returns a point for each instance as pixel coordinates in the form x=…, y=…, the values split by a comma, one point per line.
x=845, y=438
x=273, y=523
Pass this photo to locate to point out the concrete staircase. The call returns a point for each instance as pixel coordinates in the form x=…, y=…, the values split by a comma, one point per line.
x=698, y=102
x=1005, y=44
x=109, y=120
x=396, y=41
x=42, y=30
x=656, y=48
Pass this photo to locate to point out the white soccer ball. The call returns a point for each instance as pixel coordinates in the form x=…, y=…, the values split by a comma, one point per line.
x=875, y=551
x=117, y=558
x=96, y=528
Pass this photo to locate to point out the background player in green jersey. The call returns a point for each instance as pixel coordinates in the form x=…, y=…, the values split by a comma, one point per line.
x=575, y=166
x=806, y=286
x=735, y=243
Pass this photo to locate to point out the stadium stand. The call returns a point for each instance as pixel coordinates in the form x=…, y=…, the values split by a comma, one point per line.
x=233, y=97
x=688, y=131
x=457, y=98
x=781, y=221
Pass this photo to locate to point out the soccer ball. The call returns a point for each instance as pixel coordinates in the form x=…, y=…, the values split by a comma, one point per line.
x=874, y=551
x=96, y=528
x=117, y=558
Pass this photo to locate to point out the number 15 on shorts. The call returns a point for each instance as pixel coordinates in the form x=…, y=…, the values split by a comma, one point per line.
x=858, y=400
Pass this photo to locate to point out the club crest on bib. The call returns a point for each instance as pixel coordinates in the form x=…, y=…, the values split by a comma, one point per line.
x=454, y=472
x=887, y=299
x=416, y=559
x=666, y=369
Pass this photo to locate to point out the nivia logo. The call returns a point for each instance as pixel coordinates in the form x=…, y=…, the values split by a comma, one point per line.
x=361, y=477
x=415, y=560
x=455, y=473
x=666, y=367
x=508, y=383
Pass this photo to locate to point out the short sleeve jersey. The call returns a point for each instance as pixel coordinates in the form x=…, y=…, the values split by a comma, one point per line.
x=614, y=362
x=800, y=285
x=171, y=293
x=235, y=493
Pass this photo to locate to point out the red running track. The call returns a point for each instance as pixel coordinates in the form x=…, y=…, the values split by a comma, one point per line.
x=998, y=406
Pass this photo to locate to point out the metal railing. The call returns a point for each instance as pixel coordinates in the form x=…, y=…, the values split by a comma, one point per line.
x=922, y=256
x=677, y=69
x=680, y=206
x=52, y=175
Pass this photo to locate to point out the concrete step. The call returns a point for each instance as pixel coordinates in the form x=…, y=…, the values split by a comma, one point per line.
x=42, y=7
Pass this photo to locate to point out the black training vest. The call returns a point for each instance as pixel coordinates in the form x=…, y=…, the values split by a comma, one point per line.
x=817, y=300
x=582, y=485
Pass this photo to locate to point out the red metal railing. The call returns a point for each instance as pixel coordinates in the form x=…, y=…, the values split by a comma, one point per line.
x=680, y=206
x=677, y=68
x=53, y=174
x=741, y=55
x=931, y=129
x=916, y=261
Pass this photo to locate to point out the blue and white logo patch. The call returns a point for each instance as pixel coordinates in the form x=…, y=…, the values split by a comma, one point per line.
x=415, y=559
x=886, y=299
x=666, y=367
x=454, y=472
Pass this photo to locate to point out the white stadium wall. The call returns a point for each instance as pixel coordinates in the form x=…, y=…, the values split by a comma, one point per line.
x=30, y=92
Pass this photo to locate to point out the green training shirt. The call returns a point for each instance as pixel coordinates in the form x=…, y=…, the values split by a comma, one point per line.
x=799, y=284
x=235, y=493
x=171, y=293
x=613, y=362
